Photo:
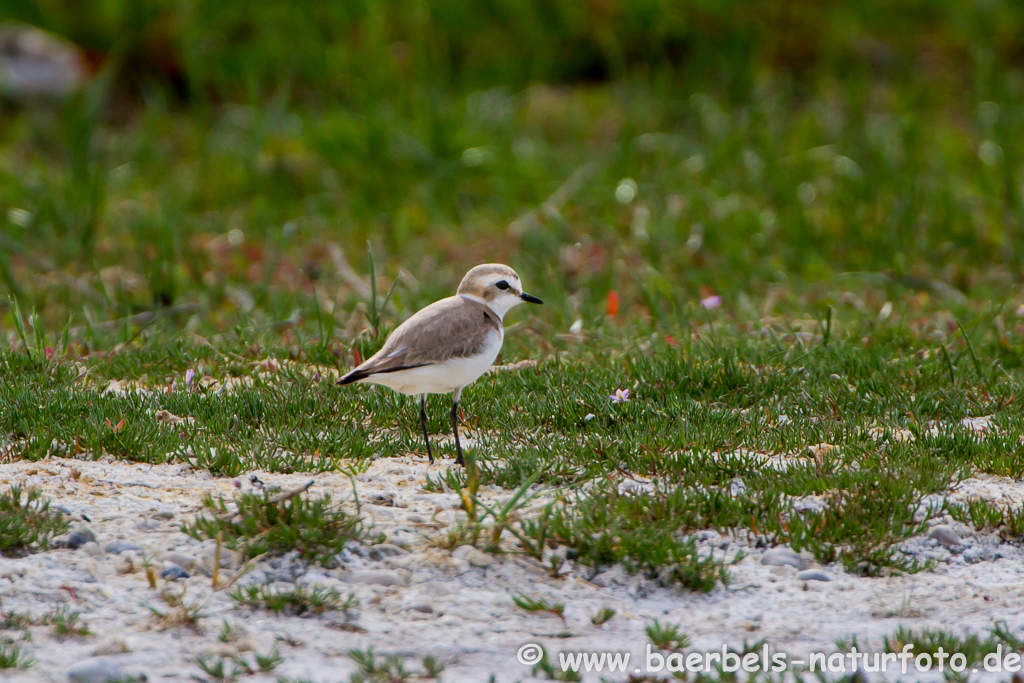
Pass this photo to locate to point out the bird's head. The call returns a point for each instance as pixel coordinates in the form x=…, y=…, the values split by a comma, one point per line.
x=495, y=285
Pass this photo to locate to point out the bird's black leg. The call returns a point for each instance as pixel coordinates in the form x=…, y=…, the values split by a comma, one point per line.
x=455, y=428
x=423, y=421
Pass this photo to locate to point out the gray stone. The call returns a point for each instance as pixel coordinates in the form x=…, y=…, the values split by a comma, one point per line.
x=945, y=535
x=118, y=547
x=813, y=575
x=782, y=556
x=461, y=552
x=382, y=550
x=39, y=66
x=79, y=537
x=92, y=548
x=979, y=554
x=111, y=646
x=423, y=607
x=207, y=553
x=377, y=577
x=182, y=560
x=96, y=671
x=479, y=559
x=616, y=576
x=173, y=573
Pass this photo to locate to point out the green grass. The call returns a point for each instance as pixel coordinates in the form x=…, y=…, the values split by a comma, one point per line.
x=984, y=516
x=666, y=636
x=26, y=521
x=65, y=623
x=227, y=669
x=941, y=644
x=529, y=604
x=255, y=525
x=788, y=230
x=711, y=403
x=13, y=657
x=296, y=602
x=390, y=668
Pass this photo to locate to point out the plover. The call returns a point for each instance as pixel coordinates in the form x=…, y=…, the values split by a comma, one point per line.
x=446, y=346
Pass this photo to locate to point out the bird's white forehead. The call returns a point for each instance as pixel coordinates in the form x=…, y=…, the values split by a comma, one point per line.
x=490, y=273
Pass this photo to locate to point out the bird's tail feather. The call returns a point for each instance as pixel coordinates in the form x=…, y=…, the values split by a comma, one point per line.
x=361, y=373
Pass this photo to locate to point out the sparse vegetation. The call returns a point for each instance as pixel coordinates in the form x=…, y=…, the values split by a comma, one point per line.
x=65, y=623
x=985, y=516
x=181, y=610
x=12, y=656
x=666, y=636
x=529, y=604
x=297, y=601
x=229, y=669
x=389, y=669
x=27, y=522
x=603, y=616
x=256, y=525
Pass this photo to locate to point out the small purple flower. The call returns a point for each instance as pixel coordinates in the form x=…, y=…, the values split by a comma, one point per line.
x=620, y=396
x=237, y=483
x=316, y=376
x=1020, y=311
x=190, y=375
x=711, y=302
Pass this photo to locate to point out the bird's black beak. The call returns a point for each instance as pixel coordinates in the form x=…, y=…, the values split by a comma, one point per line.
x=530, y=298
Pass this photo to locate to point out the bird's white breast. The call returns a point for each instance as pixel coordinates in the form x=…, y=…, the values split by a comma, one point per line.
x=446, y=377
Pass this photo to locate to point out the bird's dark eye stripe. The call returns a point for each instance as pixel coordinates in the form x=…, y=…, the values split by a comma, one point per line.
x=501, y=285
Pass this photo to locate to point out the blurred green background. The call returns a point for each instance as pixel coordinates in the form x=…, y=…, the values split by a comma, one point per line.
x=239, y=155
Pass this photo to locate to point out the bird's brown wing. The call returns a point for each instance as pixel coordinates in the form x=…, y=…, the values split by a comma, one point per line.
x=450, y=328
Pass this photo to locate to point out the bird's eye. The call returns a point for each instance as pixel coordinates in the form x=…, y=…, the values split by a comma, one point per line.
x=501, y=284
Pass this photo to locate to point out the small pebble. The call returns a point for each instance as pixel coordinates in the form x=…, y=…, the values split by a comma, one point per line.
x=92, y=548
x=78, y=538
x=813, y=575
x=118, y=547
x=112, y=646
x=126, y=565
x=163, y=514
x=173, y=573
x=782, y=556
x=377, y=577
x=944, y=535
x=382, y=550
x=479, y=559
x=180, y=559
x=615, y=576
x=424, y=607
x=461, y=552
x=96, y=671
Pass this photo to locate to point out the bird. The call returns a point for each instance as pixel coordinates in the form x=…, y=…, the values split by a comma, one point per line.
x=448, y=345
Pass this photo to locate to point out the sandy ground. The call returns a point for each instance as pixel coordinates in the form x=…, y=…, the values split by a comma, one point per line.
x=417, y=599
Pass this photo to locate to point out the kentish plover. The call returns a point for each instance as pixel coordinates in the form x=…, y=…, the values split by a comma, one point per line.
x=446, y=346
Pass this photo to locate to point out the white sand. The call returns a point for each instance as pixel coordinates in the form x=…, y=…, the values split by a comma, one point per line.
x=444, y=606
